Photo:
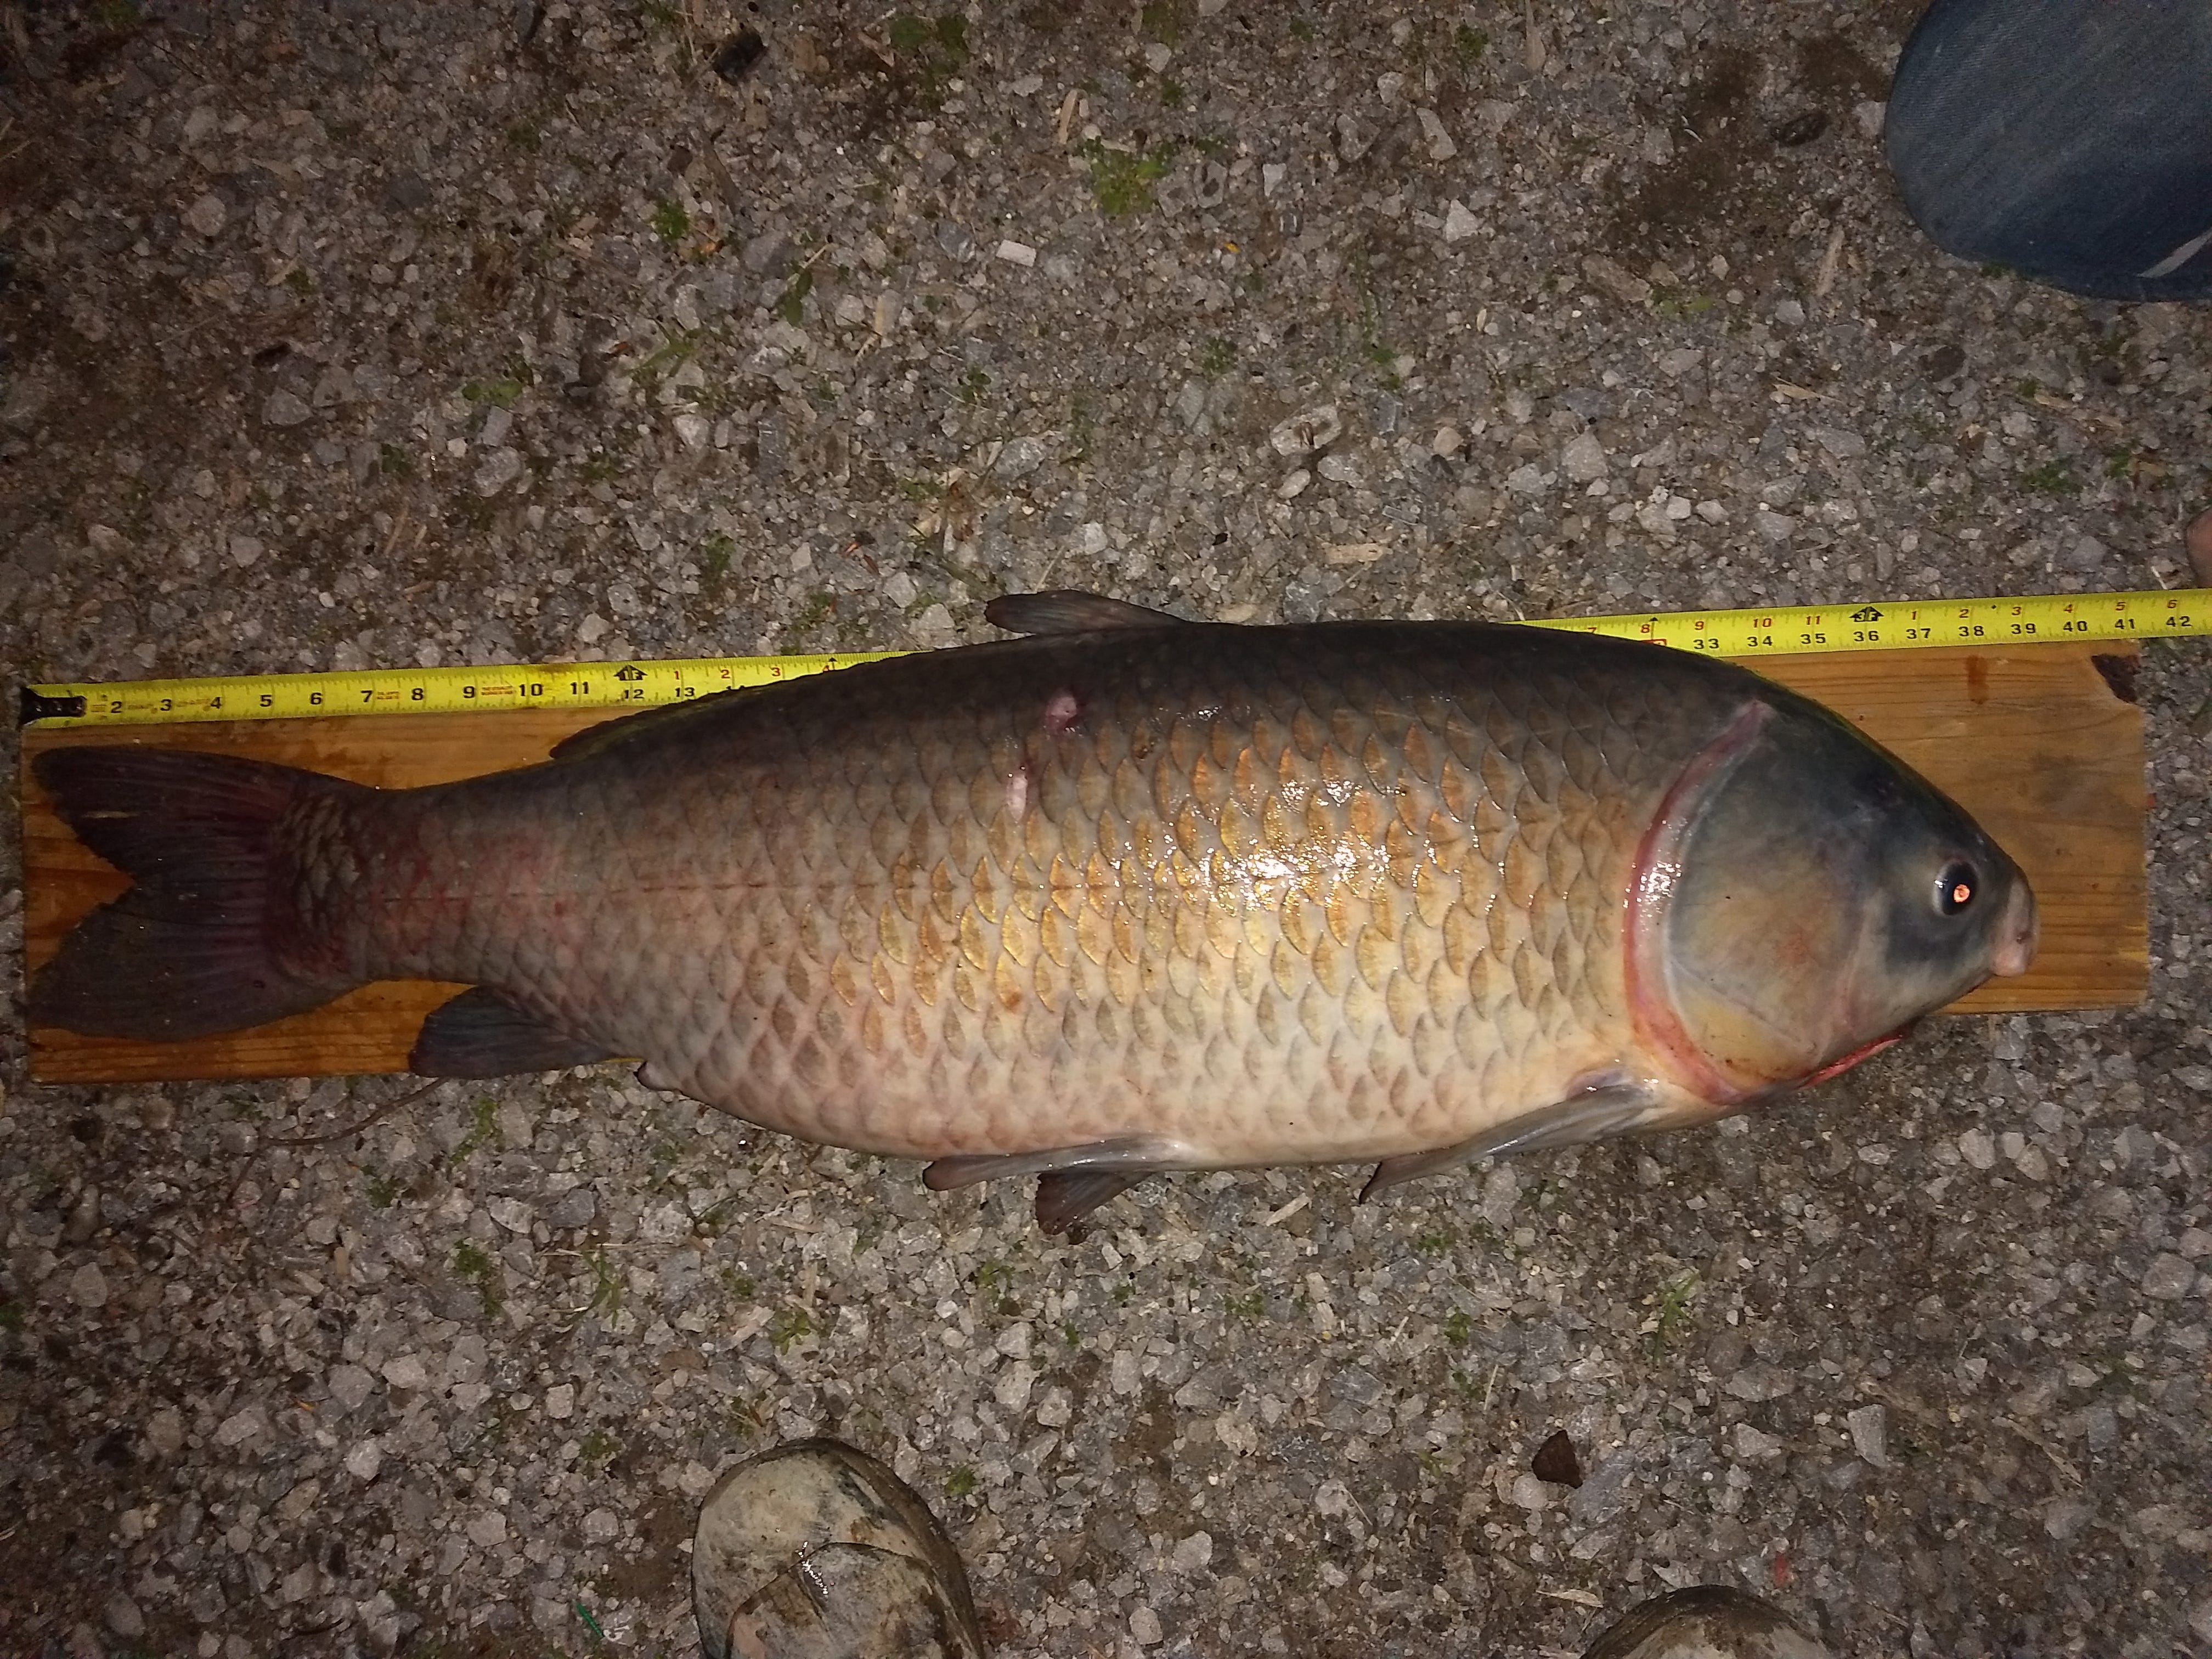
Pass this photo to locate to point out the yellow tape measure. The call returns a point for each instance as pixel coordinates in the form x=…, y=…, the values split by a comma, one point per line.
x=1771, y=630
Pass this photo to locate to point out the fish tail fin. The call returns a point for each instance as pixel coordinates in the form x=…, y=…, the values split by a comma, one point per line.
x=205, y=940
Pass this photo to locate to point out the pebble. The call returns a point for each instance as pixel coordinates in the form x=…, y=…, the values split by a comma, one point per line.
x=1583, y=459
x=123, y=1617
x=1978, y=1149
x=87, y=1286
x=1307, y=430
x=1869, y=1429
x=1018, y=253
x=283, y=408
x=365, y=1459
x=208, y=215
x=1753, y=1444
x=2169, y=1277
x=241, y=1426
x=1145, y=1628
x=407, y=1371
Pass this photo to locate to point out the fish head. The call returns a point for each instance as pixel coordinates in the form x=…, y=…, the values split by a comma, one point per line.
x=1803, y=898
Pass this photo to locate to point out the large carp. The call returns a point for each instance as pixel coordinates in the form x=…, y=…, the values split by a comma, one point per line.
x=1130, y=895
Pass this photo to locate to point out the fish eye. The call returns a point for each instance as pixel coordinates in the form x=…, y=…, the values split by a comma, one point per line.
x=1955, y=887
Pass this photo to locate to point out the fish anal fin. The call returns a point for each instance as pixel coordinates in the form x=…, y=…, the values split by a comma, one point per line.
x=480, y=1034
x=1137, y=1156
x=1592, y=1114
x=1065, y=1197
x=1070, y=611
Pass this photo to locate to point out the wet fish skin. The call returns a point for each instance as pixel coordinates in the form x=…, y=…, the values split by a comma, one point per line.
x=1141, y=897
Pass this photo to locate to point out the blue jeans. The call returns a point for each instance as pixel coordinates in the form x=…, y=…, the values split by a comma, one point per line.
x=2069, y=139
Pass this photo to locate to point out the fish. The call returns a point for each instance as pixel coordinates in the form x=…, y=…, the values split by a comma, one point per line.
x=1123, y=895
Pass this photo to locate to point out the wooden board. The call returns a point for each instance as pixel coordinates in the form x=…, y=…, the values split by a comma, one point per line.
x=2033, y=743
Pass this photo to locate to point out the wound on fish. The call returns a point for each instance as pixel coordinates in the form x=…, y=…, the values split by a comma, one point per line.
x=1063, y=713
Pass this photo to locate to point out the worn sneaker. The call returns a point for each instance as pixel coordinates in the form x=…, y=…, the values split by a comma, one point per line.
x=815, y=1551
x=1707, y=1621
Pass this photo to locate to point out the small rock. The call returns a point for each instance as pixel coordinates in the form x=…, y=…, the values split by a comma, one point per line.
x=1526, y=480
x=2064, y=1517
x=88, y=1287
x=124, y=1617
x=1294, y=485
x=1978, y=1149
x=245, y=551
x=207, y=215
x=2168, y=1277
x=574, y=1208
x=1529, y=1492
x=407, y=1371
x=1020, y=457
x=601, y=1525
x=367, y=1457
x=1332, y=1498
x=488, y=1529
x=1014, y=1384
x=1018, y=253
x=1583, y=458
x=286, y=409
x=1677, y=363
x=165, y=1431
x=1870, y=113
x=1446, y=443
x=241, y=1426
x=1838, y=442
x=1869, y=1427
x=503, y=466
x=953, y=239
x=1145, y=1628
x=350, y=1387
x=1193, y=1552
x=1616, y=279
x=1753, y=1445
x=1339, y=469
x=1440, y=145
x=561, y=1401
x=1342, y=553
x=1460, y=223
x=693, y=431
x=1306, y=431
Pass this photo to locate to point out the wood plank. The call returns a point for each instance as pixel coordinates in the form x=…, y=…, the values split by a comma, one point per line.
x=2032, y=742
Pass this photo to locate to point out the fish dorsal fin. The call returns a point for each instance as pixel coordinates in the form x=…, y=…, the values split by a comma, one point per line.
x=1593, y=1113
x=1070, y=611
x=480, y=1034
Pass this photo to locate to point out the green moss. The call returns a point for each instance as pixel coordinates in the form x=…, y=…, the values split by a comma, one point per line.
x=1122, y=180
x=669, y=221
x=961, y=1483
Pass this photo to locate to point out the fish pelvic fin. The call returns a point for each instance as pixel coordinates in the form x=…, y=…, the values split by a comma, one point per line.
x=205, y=939
x=1593, y=1113
x=1064, y=1198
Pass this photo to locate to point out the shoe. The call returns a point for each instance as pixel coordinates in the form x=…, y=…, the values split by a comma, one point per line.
x=815, y=1551
x=1707, y=1621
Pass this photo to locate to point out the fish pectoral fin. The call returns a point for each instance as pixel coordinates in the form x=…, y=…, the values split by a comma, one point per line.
x=1064, y=1197
x=480, y=1034
x=1071, y=611
x=1596, y=1113
x=1137, y=1156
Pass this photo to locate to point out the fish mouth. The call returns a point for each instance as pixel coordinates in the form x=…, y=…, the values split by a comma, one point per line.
x=2018, y=930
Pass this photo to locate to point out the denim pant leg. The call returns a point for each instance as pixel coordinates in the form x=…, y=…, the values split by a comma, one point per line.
x=2069, y=139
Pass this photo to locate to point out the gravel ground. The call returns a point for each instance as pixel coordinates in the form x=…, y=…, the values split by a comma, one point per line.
x=347, y=334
